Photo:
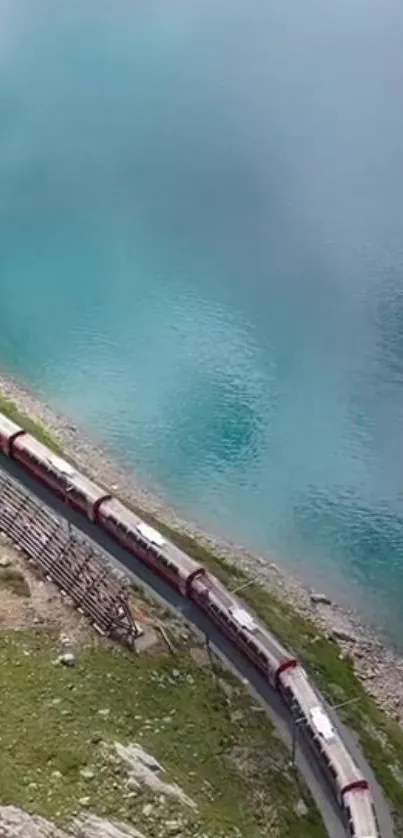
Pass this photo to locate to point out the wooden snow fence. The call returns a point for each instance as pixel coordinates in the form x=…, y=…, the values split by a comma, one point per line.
x=68, y=559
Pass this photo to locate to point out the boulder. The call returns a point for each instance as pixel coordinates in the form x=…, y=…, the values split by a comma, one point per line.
x=5, y=561
x=301, y=808
x=67, y=659
x=320, y=599
x=343, y=634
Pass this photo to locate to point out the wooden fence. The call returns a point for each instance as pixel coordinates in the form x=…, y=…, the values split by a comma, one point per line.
x=68, y=559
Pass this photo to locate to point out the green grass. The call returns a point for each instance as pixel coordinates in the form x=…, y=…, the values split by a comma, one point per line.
x=32, y=426
x=221, y=750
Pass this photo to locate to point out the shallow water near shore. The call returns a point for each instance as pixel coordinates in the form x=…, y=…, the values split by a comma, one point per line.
x=201, y=262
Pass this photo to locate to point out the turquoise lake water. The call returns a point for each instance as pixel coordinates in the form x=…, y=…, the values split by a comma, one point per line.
x=201, y=259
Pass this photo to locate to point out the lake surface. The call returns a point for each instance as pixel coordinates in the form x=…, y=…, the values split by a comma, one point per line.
x=201, y=259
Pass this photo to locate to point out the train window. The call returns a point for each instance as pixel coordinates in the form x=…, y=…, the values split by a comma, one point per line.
x=317, y=742
x=299, y=708
x=350, y=822
x=250, y=641
x=120, y=525
x=167, y=563
x=75, y=494
x=53, y=461
x=257, y=650
x=33, y=456
x=167, y=560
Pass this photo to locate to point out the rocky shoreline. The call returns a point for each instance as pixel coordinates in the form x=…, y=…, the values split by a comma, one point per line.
x=379, y=667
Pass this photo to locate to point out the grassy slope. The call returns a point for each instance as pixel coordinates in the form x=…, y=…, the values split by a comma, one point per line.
x=381, y=738
x=53, y=725
x=10, y=409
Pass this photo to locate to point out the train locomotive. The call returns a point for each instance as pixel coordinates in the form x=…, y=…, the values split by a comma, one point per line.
x=282, y=670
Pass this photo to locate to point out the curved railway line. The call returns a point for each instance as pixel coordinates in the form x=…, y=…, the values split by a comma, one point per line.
x=340, y=780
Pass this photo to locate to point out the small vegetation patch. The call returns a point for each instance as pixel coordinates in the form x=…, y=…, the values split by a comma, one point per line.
x=60, y=726
x=32, y=426
x=12, y=579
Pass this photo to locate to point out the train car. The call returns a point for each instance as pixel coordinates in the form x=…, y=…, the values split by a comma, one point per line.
x=359, y=814
x=241, y=626
x=58, y=475
x=307, y=708
x=85, y=495
x=8, y=432
x=148, y=545
x=185, y=575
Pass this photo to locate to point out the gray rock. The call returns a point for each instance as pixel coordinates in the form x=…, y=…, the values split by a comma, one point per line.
x=87, y=773
x=342, y=634
x=147, y=810
x=173, y=827
x=67, y=659
x=64, y=639
x=320, y=599
x=84, y=801
x=5, y=561
x=301, y=808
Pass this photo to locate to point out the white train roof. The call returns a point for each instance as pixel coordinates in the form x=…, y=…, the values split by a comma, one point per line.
x=243, y=617
x=315, y=713
x=362, y=813
x=151, y=534
x=7, y=426
x=322, y=723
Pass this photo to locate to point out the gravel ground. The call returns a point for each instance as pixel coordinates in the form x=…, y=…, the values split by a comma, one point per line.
x=380, y=667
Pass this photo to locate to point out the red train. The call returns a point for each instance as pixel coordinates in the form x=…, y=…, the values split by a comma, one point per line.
x=237, y=622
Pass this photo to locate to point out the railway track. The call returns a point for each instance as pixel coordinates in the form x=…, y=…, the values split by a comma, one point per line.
x=46, y=512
